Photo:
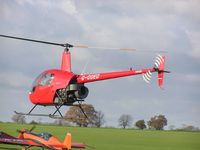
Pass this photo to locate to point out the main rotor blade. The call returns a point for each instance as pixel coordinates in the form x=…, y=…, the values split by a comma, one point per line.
x=115, y=48
x=37, y=41
x=110, y=48
x=67, y=45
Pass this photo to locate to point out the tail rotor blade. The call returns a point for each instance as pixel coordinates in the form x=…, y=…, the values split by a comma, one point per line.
x=147, y=77
x=158, y=61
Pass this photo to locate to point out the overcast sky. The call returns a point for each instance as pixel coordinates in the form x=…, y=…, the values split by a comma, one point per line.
x=153, y=25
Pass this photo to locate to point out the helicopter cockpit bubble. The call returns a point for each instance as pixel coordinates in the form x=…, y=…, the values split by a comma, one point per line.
x=42, y=80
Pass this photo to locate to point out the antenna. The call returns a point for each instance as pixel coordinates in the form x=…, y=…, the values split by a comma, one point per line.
x=84, y=68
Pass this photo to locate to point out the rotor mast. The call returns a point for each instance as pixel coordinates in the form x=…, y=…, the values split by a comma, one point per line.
x=66, y=60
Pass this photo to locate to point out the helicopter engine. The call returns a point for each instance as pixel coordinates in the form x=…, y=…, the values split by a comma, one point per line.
x=81, y=91
x=71, y=94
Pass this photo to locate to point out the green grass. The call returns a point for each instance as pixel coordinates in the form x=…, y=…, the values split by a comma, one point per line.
x=115, y=139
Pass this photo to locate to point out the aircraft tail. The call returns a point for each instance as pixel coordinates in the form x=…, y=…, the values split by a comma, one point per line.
x=159, y=67
x=68, y=141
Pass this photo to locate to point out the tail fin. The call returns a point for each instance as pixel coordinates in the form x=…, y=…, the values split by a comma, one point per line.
x=161, y=70
x=68, y=141
x=159, y=66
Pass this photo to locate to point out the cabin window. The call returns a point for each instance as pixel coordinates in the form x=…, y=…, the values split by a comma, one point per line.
x=44, y=135
x=46, y=79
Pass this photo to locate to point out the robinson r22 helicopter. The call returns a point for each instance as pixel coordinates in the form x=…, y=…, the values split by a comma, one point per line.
x=62, y=87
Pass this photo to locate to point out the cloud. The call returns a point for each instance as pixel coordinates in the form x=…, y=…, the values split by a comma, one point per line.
x=67, y=6
x=193, y=78
x=194, y=37
x=14, y=80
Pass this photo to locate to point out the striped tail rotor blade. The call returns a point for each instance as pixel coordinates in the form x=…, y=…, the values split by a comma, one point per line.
x=147, y=77
x=158, y=61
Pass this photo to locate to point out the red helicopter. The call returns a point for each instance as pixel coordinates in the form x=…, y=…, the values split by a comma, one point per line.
x=59, y=87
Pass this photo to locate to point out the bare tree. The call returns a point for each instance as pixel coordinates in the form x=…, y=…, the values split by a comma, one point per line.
x=19, y=118
x=100, y=120
x=140, y=124
x=125, y=121
x=75, y=115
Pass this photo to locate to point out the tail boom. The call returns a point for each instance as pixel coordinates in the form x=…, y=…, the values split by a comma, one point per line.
x=147, y=73
x=111, y=75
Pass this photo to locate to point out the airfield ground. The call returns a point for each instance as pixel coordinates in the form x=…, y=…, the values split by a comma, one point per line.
x=114, y=139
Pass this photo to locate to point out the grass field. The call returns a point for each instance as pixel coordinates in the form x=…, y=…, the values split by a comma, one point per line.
x=115, y=139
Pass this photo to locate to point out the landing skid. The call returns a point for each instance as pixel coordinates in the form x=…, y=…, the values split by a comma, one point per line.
x=53, y=115
x=42, y=115
x=58, y=117
x=27, y=114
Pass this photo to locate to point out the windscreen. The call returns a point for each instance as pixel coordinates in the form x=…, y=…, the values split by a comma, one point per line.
x=35, y=83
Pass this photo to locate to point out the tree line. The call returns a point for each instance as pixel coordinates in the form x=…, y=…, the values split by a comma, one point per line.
x=97, y=118
x=74, y=116
x=156, y=122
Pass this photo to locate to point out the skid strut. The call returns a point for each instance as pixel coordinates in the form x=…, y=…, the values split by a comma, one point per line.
x=57, y=110
x=32, y=108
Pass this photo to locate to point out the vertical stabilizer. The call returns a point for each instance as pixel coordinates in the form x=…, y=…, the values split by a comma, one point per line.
x=160, y=64
x=68, y=141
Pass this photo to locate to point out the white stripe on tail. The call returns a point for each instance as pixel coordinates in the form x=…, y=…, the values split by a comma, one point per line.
x=147, y=77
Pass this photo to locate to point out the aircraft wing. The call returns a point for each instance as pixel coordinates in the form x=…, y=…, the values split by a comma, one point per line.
x=8, y=139
x=5, y=135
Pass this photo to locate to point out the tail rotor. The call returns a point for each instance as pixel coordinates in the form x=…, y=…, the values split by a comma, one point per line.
x=147, y=77
x=159, y=67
